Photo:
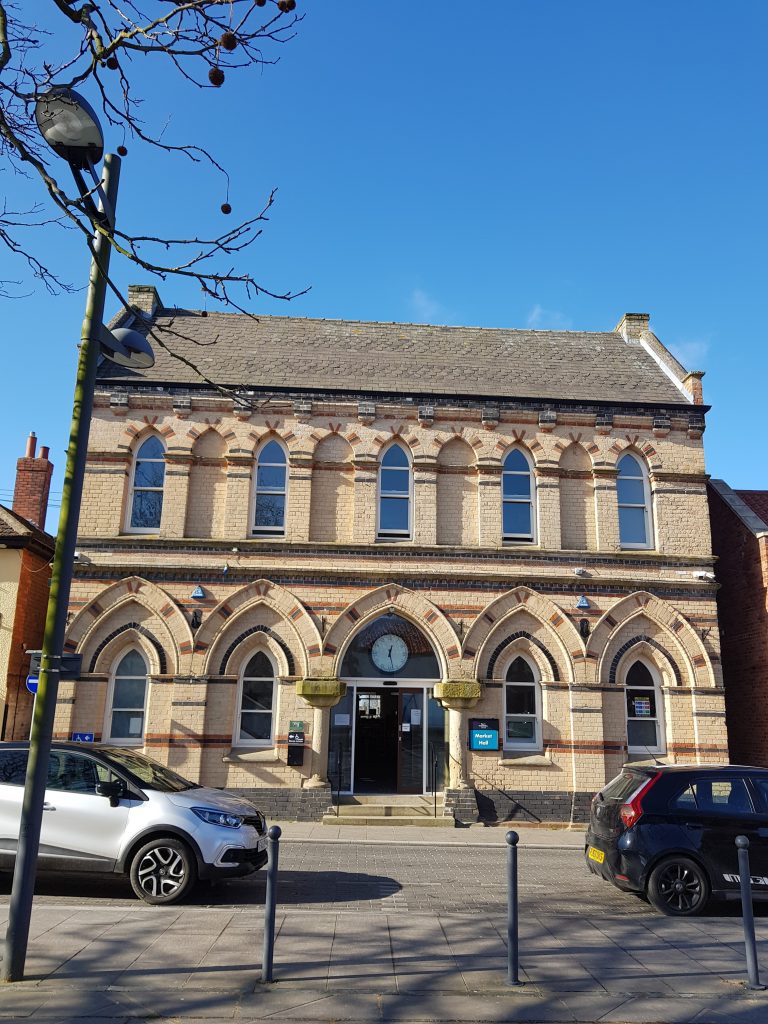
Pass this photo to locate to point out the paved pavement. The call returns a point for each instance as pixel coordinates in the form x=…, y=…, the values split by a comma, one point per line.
x=358, y=939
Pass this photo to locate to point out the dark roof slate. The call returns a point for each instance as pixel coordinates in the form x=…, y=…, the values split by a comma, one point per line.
x=758, y=502
x=16, y=527
x=314, y=355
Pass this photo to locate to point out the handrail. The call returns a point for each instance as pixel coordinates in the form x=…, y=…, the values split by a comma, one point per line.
x=433, y=773
x=337, y=801
x=512, y=799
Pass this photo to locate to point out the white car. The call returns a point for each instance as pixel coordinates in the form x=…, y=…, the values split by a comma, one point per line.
x=113, y=810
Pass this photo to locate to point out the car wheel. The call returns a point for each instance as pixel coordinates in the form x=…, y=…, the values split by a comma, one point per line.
x=163, y=871
x=678, y=887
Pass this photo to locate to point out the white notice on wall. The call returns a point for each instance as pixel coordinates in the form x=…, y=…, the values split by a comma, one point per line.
x=341, y=719
x=406, y=726
x=416, y=716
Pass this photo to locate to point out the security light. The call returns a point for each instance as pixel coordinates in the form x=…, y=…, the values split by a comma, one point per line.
x=126, y=347
x=69, y=125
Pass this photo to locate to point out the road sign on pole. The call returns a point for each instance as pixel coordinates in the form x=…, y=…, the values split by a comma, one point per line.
x=32, y=682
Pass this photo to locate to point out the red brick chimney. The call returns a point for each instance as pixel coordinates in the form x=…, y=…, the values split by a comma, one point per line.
x=33, y=482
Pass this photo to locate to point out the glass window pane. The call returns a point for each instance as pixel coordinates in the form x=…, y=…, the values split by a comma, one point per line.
x=728, y=796
x=394, y=515
x=259, y=666
x=129, y=693
x=516, y=460
x=629, y=466
x=149, y=474
x=639, y=675
x=255, y=726
x=151, y=449
x=523, y=730
x=270, y=510
x=13, y=767
x=257, y=695
x=515, y=485
x=147, y=509
x=521, y=700
x=127, y=725
x=271, y=476
x=520, y=672
x=272, y=452
x=630, y=492
x=395, y=481
x=641, y=703
x=632, y=526
x=517, y=518
x=395, y=456
x=642, y=733
x=132, y=665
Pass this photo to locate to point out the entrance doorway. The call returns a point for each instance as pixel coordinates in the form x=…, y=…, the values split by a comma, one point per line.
x=389, y=740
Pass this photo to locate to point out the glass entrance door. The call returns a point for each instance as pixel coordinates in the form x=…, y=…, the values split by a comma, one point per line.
x=410, y=759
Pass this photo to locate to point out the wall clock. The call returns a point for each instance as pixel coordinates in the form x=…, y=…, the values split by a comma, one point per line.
x=389, y=653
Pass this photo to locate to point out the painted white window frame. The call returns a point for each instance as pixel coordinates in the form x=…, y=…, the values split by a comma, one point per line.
x=537, y=744
x=519, y=538
x=658, y=718
x=649, y=544
x=268, y=532
x=395, y=535
x=107, y=736
x=132, y=488
x=270, y=741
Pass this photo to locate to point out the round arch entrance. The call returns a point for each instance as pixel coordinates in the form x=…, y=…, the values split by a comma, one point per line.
x=389, y=733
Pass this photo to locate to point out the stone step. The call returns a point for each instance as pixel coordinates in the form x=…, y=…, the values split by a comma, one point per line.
x=420, y=821
x=388, y=810
x=407, y=799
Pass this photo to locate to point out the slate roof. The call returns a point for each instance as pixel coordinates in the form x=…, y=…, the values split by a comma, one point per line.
x=758, y=502
x=298, y=354
x=17, y=531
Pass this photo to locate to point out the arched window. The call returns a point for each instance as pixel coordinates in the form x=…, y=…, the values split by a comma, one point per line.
x=517, y=497
x=147, y=486
x=395, y=493
x=634, y=500
x=645, y=720
x=271, y=490
x=522, y=707
x=255, y=705
x=126, y=706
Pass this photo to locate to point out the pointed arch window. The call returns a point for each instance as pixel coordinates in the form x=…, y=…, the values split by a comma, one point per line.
x=271, y=490
x=634, y=499
x=517, y=498
x=395, y=494
x=522, y=707
x=147, y=483
x=126, y=706
x=255, y=705
x=645, y=720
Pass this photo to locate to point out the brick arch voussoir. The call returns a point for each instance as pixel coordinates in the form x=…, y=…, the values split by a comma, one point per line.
x=411, y=605
x=659, y=652
x=644, y=449
x=294, y=444
x=240, y=624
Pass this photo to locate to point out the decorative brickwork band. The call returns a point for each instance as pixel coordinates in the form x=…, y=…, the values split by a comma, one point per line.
x=250, y=632
x=124, y=629
x=522, y=634
x=651, y=643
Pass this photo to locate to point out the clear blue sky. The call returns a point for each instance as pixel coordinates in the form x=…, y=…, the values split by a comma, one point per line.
x=543, y=163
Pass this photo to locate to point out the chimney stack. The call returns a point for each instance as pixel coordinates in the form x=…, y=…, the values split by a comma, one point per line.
x=33, y=482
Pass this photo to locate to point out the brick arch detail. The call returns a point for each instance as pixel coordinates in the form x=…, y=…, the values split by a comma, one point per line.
x=495, y=616
x=292, y=443
x=267, y=631
x=643, y=449
x=142, y=592
x=469, y=437
x=522, y=635
x=411, y=605
x=643, y=639
x=132, y=627
x=683, y=638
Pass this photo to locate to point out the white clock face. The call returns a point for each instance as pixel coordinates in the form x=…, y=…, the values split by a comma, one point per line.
x=389, y=653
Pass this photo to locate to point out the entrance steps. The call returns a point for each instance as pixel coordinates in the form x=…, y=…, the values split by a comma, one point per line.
x=390, y=809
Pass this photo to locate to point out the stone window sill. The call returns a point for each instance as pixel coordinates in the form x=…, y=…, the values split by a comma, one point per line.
x=251, y=755
x=510, y=760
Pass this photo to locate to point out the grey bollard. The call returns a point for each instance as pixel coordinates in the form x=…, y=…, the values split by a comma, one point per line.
x=270, y=902
x=513, y=964
x=747, y=917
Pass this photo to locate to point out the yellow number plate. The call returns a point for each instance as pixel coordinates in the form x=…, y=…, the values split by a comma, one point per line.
x=596, y=855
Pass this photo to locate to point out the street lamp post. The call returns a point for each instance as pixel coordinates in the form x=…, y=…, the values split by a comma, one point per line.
x=69, y=125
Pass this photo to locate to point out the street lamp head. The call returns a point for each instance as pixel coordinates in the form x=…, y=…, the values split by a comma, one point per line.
x=126, y=347
x=69, y=125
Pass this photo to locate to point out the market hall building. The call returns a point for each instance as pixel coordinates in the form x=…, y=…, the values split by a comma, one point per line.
x=397, y=559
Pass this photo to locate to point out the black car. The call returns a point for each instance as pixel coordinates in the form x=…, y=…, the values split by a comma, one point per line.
x=668, y=832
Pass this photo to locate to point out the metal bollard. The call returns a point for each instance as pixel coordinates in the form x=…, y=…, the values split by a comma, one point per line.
x=270, y=902
x=747, y=917
x=513, y=965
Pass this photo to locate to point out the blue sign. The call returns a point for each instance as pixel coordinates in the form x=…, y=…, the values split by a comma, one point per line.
x=582, y=602
x=32, y=682
x=198, y=593
x=484, y=739
x=82, y=737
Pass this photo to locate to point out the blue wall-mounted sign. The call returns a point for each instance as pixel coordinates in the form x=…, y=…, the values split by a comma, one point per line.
x=82, y=737
x=582, y=602
x=484, y=739
x=198, y=593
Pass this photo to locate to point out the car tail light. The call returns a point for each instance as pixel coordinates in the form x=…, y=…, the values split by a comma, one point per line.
x=632, y=811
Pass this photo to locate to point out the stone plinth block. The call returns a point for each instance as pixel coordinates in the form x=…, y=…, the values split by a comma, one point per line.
x=459, y=694
x=321, y=693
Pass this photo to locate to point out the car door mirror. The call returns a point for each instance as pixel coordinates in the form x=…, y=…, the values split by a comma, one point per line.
x=112, y=790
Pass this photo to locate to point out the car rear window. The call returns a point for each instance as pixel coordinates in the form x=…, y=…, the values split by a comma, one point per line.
x=623, y=785
x=713, y=795
x=13, y=767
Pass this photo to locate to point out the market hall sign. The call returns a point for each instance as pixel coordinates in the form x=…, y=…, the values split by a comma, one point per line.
x=483, y=734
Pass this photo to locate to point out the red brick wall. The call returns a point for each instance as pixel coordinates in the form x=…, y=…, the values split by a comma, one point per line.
x=742, y=571
x=28, y=628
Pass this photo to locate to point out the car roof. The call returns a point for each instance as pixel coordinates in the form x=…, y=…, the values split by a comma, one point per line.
x=693, y=767
x=67, y=745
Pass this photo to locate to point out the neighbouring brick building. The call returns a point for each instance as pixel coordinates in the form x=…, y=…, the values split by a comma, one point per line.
x=26, y=551
x=378, y=535
x=740, y=541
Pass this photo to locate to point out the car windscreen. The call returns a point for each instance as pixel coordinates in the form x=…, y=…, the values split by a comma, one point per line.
x=622, y=786
x=148, y=773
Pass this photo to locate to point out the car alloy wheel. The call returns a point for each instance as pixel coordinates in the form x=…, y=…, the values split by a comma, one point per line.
x=162, y=871
x=679, y=887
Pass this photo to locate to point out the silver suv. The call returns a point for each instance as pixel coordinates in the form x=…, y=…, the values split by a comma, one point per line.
x=113, y=810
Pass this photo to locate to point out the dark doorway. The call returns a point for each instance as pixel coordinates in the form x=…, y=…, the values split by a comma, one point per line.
x=389, y=751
